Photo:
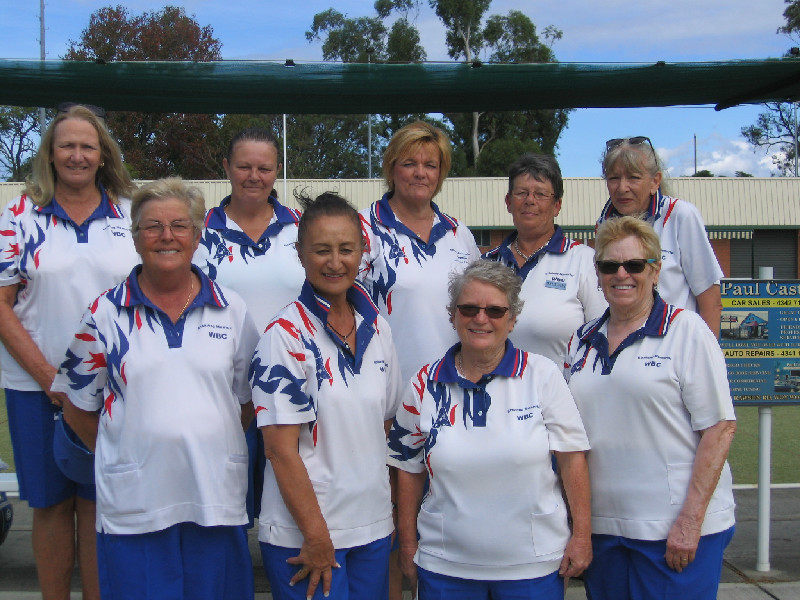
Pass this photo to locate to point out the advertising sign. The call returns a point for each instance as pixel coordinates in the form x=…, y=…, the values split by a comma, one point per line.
x=760, y=337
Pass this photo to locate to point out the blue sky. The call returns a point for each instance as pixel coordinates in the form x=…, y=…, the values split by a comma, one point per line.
x=607, y=31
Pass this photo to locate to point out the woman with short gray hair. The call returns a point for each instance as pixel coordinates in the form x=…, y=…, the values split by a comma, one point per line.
x=481, y=423
x=557, y=272
x=156, y=380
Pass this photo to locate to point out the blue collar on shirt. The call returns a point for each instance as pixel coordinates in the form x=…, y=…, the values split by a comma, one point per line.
x=385, y=215
x=590, y=335
x=476, y=400
x=130, y=294
x=512, y=364
x=653, y=213
x=106, y=209
x=218, y=220
x=504, y=253
x=358, y=296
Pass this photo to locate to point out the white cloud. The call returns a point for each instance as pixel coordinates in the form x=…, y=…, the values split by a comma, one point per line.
x=718, y=154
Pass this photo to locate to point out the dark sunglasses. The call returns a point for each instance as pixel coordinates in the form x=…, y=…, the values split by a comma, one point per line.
x=633, y=266
x=633, y=141
x=472, y=310
x=97, y=111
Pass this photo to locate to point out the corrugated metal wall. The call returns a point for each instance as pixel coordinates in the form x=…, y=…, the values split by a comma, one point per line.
x=725, y=202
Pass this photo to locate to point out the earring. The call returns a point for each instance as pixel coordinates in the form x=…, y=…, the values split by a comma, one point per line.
x=102, y=164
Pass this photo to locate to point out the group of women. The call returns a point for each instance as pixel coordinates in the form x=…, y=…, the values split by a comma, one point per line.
x=336, y=334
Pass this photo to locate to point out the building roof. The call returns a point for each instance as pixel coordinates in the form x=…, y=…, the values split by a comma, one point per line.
x=730, y=205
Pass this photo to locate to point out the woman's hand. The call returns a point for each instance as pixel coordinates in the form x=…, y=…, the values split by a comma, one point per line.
x=408, y=567
x=684, y=535
x=577, y=556
x=317, y=559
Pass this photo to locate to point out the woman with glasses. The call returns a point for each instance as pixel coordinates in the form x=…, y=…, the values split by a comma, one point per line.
x=156, y=380
x=481, y=423
x=325, y=380
x=690, y=273
x=557, y=272
x=651, y=385
x=63, y=242
x=247, y=245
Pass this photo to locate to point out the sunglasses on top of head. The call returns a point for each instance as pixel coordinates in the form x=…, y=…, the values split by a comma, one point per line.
x=633, y=266
x=97, y=111
x=633, y=141
x=472, y=310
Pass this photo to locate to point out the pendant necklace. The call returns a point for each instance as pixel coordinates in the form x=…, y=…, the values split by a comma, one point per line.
x=347, y=335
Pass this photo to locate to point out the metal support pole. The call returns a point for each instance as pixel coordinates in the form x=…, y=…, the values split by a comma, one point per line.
x=370, y=50
x=764, y=461
x=285, y=162
x=794, y=105
x=42, y=55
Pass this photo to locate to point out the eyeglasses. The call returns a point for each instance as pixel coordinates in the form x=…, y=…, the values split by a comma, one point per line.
x=632, y=266
x=179, y=229
x=538, y=196
x=97, y=111
x=472, y=310
x=633, y=141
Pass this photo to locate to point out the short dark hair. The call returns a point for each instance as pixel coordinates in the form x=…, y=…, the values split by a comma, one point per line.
x=253, y=134
x=542, y=167
x=327, y=204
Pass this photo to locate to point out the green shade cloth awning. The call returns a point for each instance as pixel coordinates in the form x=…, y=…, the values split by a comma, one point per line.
x=336, y=88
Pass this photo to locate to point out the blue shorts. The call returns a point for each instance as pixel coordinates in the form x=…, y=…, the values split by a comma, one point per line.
x=363, y=573
x=257, y=461
x=433, y=586
x=31, y=421
x=636, y=569
x=185, y=561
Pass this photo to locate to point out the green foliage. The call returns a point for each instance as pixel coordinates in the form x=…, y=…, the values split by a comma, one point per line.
x=462, y=19
x=774, y=128
x=742, y=174
x=495, y=159
x=19, y=130
x=513, y=39
x=703, y=173
x=792, y=16
x=156, y=144
x=403, y=43
x=349, y=40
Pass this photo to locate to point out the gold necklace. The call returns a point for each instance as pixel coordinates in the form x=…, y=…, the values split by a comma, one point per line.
x=189, y=297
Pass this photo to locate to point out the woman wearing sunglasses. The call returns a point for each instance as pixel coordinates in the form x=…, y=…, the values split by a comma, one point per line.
x=557, y=272
x=690, y=272
x=651, y=384
x=482, y=423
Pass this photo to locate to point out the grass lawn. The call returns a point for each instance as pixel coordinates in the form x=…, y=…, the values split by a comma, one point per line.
x=743, y=458
x=785, y=445
x=5, y=440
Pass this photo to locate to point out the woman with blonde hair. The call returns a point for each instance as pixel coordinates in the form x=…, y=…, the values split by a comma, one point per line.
x=64, y=241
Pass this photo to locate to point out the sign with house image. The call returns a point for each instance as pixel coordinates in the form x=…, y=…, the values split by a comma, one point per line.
x=736, y=325
x=760, y=338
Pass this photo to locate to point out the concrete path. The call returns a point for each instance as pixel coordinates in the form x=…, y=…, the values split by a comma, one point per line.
x=739, y=581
